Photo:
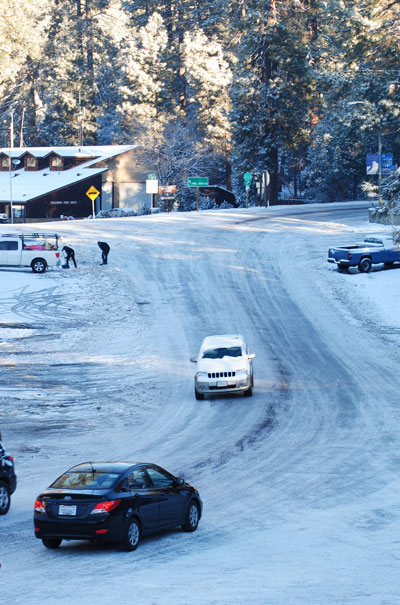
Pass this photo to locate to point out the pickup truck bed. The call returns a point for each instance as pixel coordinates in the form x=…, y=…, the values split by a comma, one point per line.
x=373, y=250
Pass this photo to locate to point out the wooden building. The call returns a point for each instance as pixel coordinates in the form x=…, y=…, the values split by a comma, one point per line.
x=50, y=182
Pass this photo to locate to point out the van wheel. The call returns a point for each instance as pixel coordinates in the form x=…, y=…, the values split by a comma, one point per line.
x=39, y=265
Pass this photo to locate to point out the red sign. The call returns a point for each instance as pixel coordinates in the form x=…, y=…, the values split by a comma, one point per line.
x=167, y=189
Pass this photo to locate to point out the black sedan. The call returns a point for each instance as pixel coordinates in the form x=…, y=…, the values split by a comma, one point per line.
x=114, y=502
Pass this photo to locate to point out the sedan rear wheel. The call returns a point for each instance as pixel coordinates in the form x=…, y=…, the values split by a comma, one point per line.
x=132, y=536
x=51, y=543
x=4, y=498
x=192, y=517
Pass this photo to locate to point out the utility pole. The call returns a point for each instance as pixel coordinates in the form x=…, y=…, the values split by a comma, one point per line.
x=11, y=130
x=380, y=168
x=21, y=134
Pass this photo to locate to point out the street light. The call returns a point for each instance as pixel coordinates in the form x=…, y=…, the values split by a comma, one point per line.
x=15, y=163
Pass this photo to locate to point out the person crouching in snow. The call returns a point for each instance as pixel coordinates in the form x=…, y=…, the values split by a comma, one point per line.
x=69, y=255
x=105, y=249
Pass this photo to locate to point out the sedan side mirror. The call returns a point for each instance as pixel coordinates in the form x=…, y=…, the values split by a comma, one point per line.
x=193, y=359
x=251, y=356
x=179, y=481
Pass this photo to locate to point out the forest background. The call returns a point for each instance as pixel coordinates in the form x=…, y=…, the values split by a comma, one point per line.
x=301, y=88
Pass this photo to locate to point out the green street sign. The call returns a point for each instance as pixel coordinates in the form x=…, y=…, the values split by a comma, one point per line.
x=247, y=177
x=198, y=181
x=152, y=177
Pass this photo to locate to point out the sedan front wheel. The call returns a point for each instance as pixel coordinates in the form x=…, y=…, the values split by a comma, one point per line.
x=192, y=517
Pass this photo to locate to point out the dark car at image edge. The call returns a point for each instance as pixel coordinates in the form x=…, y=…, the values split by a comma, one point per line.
x=114, y=502
x=8, y=479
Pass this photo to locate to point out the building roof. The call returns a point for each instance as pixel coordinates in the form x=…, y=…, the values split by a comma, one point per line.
x=27, y=185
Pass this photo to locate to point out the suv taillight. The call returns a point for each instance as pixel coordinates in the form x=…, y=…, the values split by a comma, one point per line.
x=105, y=507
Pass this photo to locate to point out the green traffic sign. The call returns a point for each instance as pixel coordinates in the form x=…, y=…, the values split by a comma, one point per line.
x=152, y=177
x=247, y=177
x=198, y=181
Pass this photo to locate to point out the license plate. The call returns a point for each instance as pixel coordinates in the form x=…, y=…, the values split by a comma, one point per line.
x=64, y=509
x=222, y=383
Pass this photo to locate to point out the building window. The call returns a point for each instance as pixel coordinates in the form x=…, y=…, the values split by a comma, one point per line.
x=5, y=163
x=31, y=163
x=56, y=163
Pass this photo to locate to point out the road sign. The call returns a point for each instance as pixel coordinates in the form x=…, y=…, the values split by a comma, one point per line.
x=247, y=177
x=373, y=163
x=152, y=185
x=151, y=177
x=198, y=181
x=167, y=189
x=92, y=193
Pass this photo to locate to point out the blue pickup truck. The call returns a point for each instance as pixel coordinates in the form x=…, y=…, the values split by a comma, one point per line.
x=373, y=250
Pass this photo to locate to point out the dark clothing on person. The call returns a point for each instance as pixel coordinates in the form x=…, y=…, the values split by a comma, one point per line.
x=69, y=255
x=105, y=249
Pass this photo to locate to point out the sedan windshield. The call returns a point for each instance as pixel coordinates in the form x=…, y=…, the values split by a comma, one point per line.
x=222, y=352
x=86, y=480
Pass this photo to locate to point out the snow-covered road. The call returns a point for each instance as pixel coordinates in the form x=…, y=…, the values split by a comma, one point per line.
x=299, y=483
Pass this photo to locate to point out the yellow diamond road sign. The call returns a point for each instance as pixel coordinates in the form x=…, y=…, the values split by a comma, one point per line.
x=92, y=193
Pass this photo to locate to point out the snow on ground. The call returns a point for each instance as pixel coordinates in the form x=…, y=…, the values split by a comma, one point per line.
x=300, y=483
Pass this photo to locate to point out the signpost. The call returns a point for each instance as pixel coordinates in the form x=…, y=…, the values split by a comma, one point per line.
x=379, y=163
x=152, y=187
x=92, y=193
x=197, y=181
x=167, y=189
x=247, y=177
x=265, y=183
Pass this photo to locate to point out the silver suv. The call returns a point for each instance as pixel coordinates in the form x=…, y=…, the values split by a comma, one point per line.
x=224, y=365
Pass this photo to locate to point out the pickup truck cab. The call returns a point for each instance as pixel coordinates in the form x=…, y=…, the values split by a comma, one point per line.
x=36, y=250
x=373, y=250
